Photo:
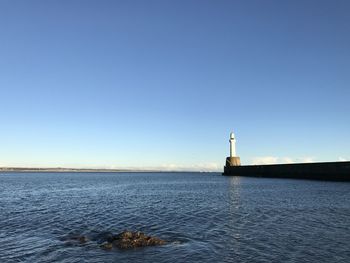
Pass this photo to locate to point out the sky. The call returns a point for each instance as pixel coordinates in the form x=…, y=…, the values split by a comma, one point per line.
x=161, y=84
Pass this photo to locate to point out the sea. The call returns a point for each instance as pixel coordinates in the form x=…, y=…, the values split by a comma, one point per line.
x=204, y=217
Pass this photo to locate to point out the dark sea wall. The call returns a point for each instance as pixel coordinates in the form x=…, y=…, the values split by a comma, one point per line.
x=329, y=171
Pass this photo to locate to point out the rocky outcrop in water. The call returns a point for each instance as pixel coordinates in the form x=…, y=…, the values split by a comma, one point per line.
x=128, y=239
x=124, y=240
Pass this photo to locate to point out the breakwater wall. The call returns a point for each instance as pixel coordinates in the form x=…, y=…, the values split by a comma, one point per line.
x=328, y=171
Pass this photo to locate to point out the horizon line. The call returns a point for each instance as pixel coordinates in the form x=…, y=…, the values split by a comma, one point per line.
x=71, y=169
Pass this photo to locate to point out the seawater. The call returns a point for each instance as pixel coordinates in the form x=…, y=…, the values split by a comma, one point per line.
x=205, y=217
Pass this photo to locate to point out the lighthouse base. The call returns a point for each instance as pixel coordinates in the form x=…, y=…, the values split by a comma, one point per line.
x=233, y=161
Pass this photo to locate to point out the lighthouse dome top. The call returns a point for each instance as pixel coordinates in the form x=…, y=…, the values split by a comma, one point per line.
x=232, y=135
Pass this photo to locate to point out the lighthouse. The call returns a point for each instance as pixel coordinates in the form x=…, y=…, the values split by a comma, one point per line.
x=232, y=145
x=233, y=160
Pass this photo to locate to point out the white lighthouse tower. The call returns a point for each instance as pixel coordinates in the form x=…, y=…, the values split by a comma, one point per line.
x=233, y=160
x=232, y=145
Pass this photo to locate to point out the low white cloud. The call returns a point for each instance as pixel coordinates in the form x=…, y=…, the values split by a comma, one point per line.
x=275, y=160
x=307, y=160
x=264, y=160
x=199, y=167
x=342, y=159
x=287, y=160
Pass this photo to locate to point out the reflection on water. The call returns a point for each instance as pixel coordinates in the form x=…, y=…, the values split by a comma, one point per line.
x=235, y=189
x=205, y=217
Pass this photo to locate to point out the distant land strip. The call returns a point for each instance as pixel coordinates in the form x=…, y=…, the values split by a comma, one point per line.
x=85, y=170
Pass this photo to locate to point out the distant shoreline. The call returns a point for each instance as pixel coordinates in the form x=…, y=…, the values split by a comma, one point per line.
x=87, y=170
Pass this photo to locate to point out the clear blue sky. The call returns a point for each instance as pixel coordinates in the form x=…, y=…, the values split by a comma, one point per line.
x=162, y=83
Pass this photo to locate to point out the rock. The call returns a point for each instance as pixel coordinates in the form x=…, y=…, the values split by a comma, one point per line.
x=124, y=240
x=128, y=239
x=106, y=245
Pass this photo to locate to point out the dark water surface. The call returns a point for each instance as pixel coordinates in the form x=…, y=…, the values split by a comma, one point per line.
x=205, y=217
